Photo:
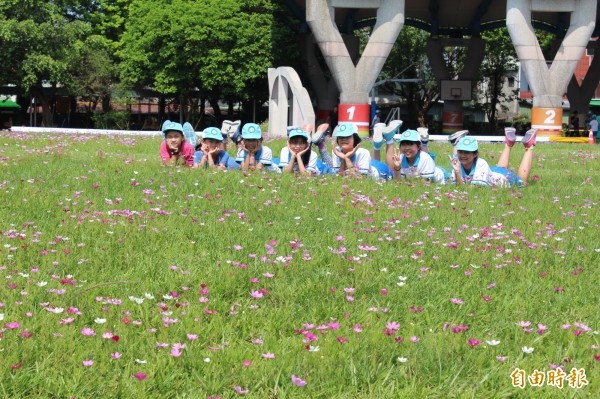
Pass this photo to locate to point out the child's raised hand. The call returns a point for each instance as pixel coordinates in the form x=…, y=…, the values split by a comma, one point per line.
x=455, y=164
x=353, y=151
x=292, y=153
x=396, y=159
x=303, y=151
x=339, y=153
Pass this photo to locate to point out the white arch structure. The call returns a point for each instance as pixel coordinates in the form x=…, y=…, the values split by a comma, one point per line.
x=289, y=102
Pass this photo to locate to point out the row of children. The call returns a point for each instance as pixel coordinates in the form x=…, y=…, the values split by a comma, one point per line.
x=410, y=160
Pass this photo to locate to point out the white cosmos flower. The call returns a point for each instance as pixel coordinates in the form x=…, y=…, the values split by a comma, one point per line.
x=167, y=297
x=493, y=342
x=139, y=301
x=41, y=283
x=402, y=359
x=402, y=278
x=527, y=350
x=99, y=321
x=1, y=316
x=57, y=310
x=207, y=360
x=148, y=296
x=313, y=348
x=139, y=361
x=400, y=283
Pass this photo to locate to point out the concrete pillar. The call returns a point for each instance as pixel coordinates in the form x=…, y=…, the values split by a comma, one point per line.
x=324, y=87
x=549, y=84
x=289, y=102
x=580, y=95
x=452, y=116
x=355, y=82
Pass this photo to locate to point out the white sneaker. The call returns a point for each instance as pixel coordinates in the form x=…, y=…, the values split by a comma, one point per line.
x=319, y=134
x=453, y=138
x=391, y=129
x=378, y=132
x=229, y=128
x=188, y=133
x=529, y=139
x=510, y=136
x=424, y=133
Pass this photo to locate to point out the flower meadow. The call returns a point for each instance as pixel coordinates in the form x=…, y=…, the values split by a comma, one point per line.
x=124, y=278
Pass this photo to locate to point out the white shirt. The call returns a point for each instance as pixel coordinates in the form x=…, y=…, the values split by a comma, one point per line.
x=480, y=174
x=264, y=156
x=284, y=161
x=361, y=161
x=424, y=166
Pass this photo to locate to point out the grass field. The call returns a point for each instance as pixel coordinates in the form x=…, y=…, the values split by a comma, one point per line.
x=126, y=279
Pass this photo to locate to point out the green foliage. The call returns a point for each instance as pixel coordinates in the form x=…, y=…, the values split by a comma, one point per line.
x=112, y=120
x=499, y=61
x=408, y=60
x=217, y=46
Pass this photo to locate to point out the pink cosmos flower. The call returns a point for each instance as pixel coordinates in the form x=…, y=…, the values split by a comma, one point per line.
x=473, y=342
x=13, y=325
x=116, y=355
x=297, y=381
x=192, y=337
x=256, y=294
x=268, y=355
x=392, y=326
x=241, y=391
x=524, y=323
x=456, y=301
x=415, y=339
x=501, y=358
x=357, y=328
x=140, y=376
x=175, y=352
x=88, y=363
x=247, y=363
x=88, y=332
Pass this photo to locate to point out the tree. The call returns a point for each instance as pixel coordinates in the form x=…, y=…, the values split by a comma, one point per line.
x=219, y=47
x=43, y=47
x=408, y=60
x=500, y=59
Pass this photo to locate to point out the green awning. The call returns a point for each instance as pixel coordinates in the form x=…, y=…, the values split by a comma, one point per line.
x=595, y=103
x=9, y=104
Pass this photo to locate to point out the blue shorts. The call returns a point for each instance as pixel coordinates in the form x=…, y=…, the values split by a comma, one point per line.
x=384, y=171
x=513, y=180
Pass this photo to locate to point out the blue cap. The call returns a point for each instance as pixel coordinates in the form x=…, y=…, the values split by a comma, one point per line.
x=346, y=129
x=169, y=125
x=467, y=144
x=410, y=135
x=297, y=132
x=251, y=131
x=212, y=133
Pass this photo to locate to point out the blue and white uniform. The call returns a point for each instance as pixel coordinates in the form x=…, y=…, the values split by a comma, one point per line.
x=264, y=156
x=482, y=174
x=424, y=166
x=284, y=161
x=361, y=161
x=222, y=158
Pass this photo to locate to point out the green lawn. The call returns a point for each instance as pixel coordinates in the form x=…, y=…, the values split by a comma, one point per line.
x=123, y=278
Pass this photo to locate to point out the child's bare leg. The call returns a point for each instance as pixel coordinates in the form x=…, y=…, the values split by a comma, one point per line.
x=504, y=157
x=525, y=166
x=527, y=161
x=389, y=155
x=377, y=154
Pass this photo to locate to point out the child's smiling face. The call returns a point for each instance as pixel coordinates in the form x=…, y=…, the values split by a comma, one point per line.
x=346, y=143
x=253, y=144
x=174, y=139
